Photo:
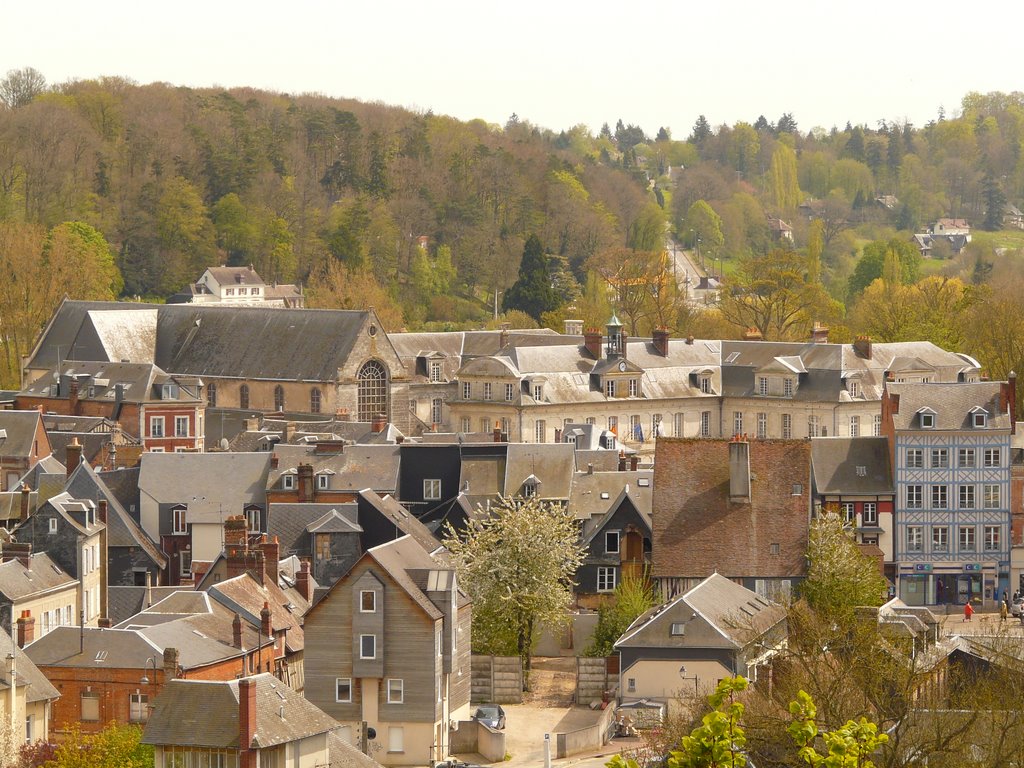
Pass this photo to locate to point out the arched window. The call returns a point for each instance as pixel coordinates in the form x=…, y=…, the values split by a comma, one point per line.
x=243, y=396
x=373, y=391
x=278, y=398
x=211, y=395
x=314, y=400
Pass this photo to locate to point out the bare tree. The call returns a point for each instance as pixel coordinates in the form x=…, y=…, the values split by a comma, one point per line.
x=20, y=86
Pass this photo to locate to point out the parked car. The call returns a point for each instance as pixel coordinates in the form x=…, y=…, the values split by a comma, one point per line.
x=1017, y=606
x=491, y=715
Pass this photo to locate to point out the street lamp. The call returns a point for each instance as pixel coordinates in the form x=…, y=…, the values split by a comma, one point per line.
x=683, y=676
x=145, y=679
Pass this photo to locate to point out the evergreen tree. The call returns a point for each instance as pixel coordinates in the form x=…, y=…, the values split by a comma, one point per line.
x=532, y=292
x=701, y=131
x=995, y=203
x=663, y=134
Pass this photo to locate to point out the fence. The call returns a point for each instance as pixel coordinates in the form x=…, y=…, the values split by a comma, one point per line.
x=496, y=680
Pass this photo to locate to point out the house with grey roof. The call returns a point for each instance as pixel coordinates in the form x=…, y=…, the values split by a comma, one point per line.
x=950, y=448
x=23, y=442
x=239, y=286
x=617, y=546
x=25, y=687
x=680, y=650
x=35, y=588
x=388, y=646
x=253, y=721
x=852, y=476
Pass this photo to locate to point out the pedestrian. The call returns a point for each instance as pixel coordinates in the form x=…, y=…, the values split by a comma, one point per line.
x=968, y=611
x=1002, y=610
x=1006, y=597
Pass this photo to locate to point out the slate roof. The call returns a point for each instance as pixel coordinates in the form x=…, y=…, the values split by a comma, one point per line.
x=227, y=478
x=595, y=524
x=125, y=602
x=93, y=648
x=20, y=427
x=135, y=382
x=739, y=615
x=354, y=468
x=27, y=673
x=552, y=463
x=124, y=485
x=952, y=404
x=835, y=462
x=405, y=523
x=200, y=713
x=229, y=276
x=597, y=492
x=290, y=523
x=43, y=575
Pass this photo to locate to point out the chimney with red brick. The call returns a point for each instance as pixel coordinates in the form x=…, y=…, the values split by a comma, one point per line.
x=660, y=340
x=246, y=722
x=73, y=455
x=16, y=550
x=26, y=494
x=592, y=343
x=819, y=333
x=302, y=585
x=306, y=491
x=266, y=627
x=379, y=423
x=271, y=558
x=236, y=631
x=26, y=629
x=73, y=397
x=862, y=347
x=235, y=532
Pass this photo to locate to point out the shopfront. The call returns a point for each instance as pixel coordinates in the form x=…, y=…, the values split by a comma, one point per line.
x=951, y=584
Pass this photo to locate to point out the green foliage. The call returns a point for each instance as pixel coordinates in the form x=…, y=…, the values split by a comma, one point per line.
x=872, y=263
x=705, y=223
x=632, y=597
x=849, y=746
x=517, y=564
x=116, y=746
x=839, y=577
x=720, y=741
x=782, y=179
x=533, y=292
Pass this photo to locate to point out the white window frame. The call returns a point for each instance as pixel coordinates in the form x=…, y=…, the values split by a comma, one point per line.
x=705, y=423
x=737, y=422
x=966, y=458
x=510, y=392
x=52, y=525
x=179, y=521
x=762, y=385
x=467, y=390
x=915, y=496
x=538, y=392
x=323, y=481
x=967, y=538
x=253, y=519
x=979, y=420
x=927, y=421
x=876, y=428
x=432, y=489
x=939, y=458
x=156, y=426
x=540, y=431
x=436, y=372
x=848, y=510
x=634, y=388
x=915, y=458
x=437, y=411
x=992, y=496
x=606, y=578
x=678, y=424
x=993, y=457
x=968, y=497
x=854, y=425
x=181, y=426
x=940, y=538
x=939, y=496
x=813, y=425
x=788, y=387
x=338, y=682
x=185, y=563
x=608, y=538
x=915, y=534
x=288, y=482
x=869, y=513
x=362, y=601
x=400, y=698
x=467, y=424
x=762, y=426
x=705, y=385
x=993, y=538
x=487, y=390
x=609, y=388
x=787, y=426
x=362, y=646
x=138, y=707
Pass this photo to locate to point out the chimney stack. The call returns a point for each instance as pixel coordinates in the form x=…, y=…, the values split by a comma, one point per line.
x=660, y=340
x=236, y=631
x=622, y=461
x=1012, y=386
x=271, y=558
x=752, y=334
x=633, y=462
x=73, y=455
x=862, y=347
x=497, y=432
x=266, y=627
x=149, y=589
x=101, y=510
x=819, y=333
x=73, y=397
x=379, y=423
x=739, y=470
x=306, y=491
x=26, y=629
x=246, y=722
x=289, y=432
x=302, y=584
x=592, y=343
x=503, y=336
x=171, y=663
x=15, y=550
x=26, y=494
x=274, y=461
x=235, y=532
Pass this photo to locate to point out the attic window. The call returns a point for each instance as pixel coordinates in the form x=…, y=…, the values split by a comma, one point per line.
x=288, y=482
x=677, y=629
x=979, y=418
x=862, y=471
x=774, y=548
x=927, y=420
x=644, y=482
x=605, y=495
x=101, y=656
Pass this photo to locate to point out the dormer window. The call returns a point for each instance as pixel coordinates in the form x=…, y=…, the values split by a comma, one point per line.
x=169, y=391
x=252, y=519
x=530, y=487
x=705, y=384
x=979, y=418
x=435, y=372
x=288, y=482
x=853, y=387
x=323, y=481
x=634, y=388
x=538, y=391
x=926, y=418
x=762, y=385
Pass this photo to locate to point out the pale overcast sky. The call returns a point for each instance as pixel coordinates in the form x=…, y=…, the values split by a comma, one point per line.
x=555, y=63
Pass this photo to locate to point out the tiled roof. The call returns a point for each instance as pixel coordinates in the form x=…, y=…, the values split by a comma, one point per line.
x=245, y=595
x=19, y=428
x=43, y=575
x=952, y=404
x=228, y=478
x=851, y=465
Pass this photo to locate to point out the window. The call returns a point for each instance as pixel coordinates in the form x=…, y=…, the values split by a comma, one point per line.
x=179, y=525
x=913, y=538
x=993, y=457
x=185, y=567
x=367, y=601
x=288, y=482
x=705, y=423
x=437, y=411
x=485, y=424
x=849, y=513
x=869, y=514
x=876, y=427
x=611, y=542
x=631, y=684
x=487, y=390
x=915, y=497
x=211, y=395
x=915, y=458
x=927, y=420
x=940, y=497
x=52, y=525
x=966, y=497
x=252, y=519
x=787, y=426
x=979, y=419
x=854, y=388
x=510, y=392
x=90, y=706
x=367, y=646
x=243, y=396
x=156, y=426
x=229, y=291
x=278, y=398
x=396, y=690
x=609, y=388
x=992, y=538
x=940, y=458
x=705, y=385
x=506, y=426
x=30, y=735
x=965, y=458
x=538, y=391
x=635, y=430
x=634, y=387
x=737, y=422
x=372, y=394
x=657, y=428
x=435, y=372
x=762, y=385
x=787, y=387
x=855, y=426
x=762, y=425
x=323, y=546
x=813, y=426
x=323, y=481
x=343, y=689
x=967, y=543
x=606, y=579
x=678, y=422
x=138, y=707
x=940, y=538
x=396, y=738
x=992, y=496
x=432, y=490
x=466, y=424
x=677, y=629
x=181, y=426
x=540, y=431
x=467, y=390
x=315, y=400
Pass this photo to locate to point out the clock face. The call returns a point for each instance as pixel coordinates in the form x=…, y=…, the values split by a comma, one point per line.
x=622, y=365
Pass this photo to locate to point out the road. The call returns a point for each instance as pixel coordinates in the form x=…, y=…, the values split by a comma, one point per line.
x=689, y=273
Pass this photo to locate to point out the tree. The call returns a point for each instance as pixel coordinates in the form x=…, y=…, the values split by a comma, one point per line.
x=335, y=286
x=532, y=292
x=995, y=203
x=719, y=741
x=632, y=597
x=701, y=131
x=783, y=188
x=20, y=86
x=705, y=223
x=872, y=263
x=116, y=746
x=517, y=564
x=839, y=577
x=849, y=746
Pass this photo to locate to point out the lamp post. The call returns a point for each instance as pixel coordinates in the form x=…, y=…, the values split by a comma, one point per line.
x=145, y=679
x=684, y=677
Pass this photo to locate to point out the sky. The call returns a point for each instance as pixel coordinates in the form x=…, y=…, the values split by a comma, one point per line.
x=555, y=64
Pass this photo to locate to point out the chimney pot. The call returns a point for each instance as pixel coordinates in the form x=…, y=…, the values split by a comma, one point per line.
x=171, y=663
x=265, y=623
x=26, y=629
x=73, y=456
x=26, y=494
x=302, y=584
x=236, y=631
x=246, y=722
x=659, y=338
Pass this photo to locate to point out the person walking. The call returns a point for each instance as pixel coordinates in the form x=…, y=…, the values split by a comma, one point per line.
x=1002, y=610
x=968, y=611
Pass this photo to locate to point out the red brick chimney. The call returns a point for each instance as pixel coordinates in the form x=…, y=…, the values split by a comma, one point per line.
x=306, y=490
x=497, y=432
x=235, y=532
x=274, y=461
x=622, y=461
x=660, y=340
x=246, y=722
x=862, y=347
x=26, y=494
x=266, y=627
x=236, y=631
x=271, y=558
x=73, y=455
x=302, y=585
x=752, y=334
x=170, y=663
x=101, y=511
x=16, y=550
x=592, y=343
x=73, y=397
x=26, y=629
x=634, y=461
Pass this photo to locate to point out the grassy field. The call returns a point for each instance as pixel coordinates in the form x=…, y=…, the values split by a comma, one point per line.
x=1012, y=239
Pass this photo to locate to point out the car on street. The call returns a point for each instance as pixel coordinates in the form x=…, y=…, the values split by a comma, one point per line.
x=491, y=715
x=1017, y=606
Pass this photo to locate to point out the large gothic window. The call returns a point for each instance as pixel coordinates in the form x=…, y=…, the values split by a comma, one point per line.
x=243, y=396
x=314, y=400
x=211, y=394
x=373, y=391
x=278, y=398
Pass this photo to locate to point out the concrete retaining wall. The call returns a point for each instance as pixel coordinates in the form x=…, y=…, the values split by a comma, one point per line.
x=475, y=738
x=496, y=680
x=584, y=739
x=592, y=680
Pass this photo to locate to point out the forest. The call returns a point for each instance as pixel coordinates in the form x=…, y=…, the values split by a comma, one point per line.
x=109, y=188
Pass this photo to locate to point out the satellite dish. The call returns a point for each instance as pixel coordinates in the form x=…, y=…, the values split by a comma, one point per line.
x=223, y=443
